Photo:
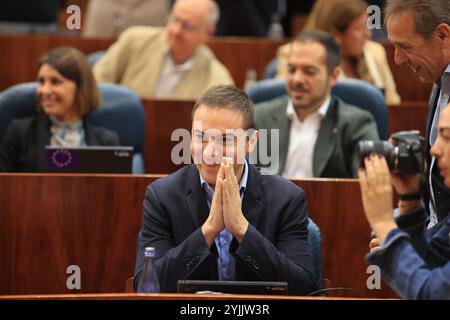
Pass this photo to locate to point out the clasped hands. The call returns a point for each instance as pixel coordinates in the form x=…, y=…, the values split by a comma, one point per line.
x=226, y=206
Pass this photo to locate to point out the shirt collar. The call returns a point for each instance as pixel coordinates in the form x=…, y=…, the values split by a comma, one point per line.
x=447, y=70
x=76, y=125
x=291, y=114
x=444, y=80
x=187, y=65
x=242, y=184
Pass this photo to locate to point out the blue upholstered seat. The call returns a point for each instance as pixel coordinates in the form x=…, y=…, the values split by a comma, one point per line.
x=352, y=91
x=121, y=111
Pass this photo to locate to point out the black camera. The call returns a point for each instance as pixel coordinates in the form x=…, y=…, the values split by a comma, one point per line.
x=404, y=154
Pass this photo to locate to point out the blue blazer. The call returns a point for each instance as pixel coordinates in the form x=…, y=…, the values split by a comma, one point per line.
x=414, y=261
x=275, y=247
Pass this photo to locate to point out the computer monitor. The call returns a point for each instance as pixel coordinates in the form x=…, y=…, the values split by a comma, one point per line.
x=237, y=287
x=89, y=159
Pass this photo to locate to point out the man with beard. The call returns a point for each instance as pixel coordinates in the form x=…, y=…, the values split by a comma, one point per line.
x=318, y=133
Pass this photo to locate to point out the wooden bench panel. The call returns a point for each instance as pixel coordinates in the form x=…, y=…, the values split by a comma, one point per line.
x=49, y=222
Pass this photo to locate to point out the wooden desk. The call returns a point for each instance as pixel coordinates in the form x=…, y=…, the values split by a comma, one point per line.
x=164, y=116
x=49, y=222
x=167, y=296
x=409, y=115
x=20, y=54
x=239, y=54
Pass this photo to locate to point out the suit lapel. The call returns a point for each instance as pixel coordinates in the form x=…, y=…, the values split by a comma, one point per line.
x=91, y=139
x=252, y=205
x=432, y=104
x=326, y=139
x=281, y=122
x=42, y=140
x=198, y=206
x=195, y=198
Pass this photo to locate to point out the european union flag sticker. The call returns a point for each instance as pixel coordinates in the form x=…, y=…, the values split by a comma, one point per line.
x=62, y=159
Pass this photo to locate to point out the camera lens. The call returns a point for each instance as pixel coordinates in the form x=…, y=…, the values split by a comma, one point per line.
x=404, y=155
x=383, y=148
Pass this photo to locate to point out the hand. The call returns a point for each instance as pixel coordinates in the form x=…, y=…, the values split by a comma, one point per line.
x=376, y=192
x=214, y=224
x=404, y=184
x=374, y=244
x=233, y=217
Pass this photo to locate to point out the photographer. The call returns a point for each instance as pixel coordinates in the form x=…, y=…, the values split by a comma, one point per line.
x=415, y=263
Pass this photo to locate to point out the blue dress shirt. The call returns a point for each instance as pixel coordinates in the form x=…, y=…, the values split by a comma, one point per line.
x=226, y=262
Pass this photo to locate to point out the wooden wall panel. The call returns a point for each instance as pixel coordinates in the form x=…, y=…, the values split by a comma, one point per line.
x=164, y=116
x=19, y=55
x=409, y=115
x=48, y=222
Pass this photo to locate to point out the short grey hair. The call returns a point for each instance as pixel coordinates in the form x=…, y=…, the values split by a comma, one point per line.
x=428, y=14
x=214, y=14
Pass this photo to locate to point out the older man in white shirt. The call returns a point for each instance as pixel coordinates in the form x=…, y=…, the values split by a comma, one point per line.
x=173, y=62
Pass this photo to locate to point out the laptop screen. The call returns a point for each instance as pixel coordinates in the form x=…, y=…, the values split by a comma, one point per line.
x=89, y=159
x=237, y=287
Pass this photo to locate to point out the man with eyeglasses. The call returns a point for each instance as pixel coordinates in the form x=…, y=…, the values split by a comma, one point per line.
x=168, y=63
x=220, y=218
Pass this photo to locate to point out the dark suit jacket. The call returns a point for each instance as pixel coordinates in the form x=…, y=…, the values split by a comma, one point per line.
x=440, y=192
x=23, y=146
x=335, y=152
x=274, y=248
x=250, y=18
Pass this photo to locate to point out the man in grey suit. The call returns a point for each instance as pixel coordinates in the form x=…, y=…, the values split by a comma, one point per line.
x=318, y=133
